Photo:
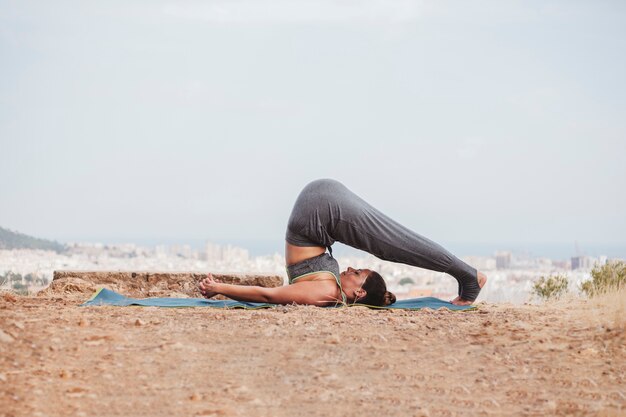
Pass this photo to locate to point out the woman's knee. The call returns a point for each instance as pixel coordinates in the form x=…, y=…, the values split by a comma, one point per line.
x=323, y=184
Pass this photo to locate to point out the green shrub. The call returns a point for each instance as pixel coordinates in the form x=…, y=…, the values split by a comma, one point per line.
x=406, y=281
x=19, y=288
x=610, y=277
x=551, y=287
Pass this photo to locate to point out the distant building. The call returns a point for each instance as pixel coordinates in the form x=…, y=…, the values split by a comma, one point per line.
x=480, y=262
x=213, y=252
x=503, y=260
x=229, y=253
x=235, y=254
x=581, y=262
x=544, y=263
x=562, y=264
x=161, y=251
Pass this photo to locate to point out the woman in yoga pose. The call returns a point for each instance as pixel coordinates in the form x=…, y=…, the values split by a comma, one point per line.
x=326, y=211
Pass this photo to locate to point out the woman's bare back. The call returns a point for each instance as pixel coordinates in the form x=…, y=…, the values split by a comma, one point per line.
x=295, y=254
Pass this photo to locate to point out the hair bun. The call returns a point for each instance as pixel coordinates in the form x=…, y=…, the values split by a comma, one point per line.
x=389, y=298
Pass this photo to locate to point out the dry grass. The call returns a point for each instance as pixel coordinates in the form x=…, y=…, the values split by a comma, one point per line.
x=609, y=309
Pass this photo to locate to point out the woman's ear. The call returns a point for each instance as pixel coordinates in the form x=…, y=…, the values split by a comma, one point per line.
x=360, y=293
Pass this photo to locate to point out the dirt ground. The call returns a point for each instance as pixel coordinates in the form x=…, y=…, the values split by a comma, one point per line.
x=59, y=359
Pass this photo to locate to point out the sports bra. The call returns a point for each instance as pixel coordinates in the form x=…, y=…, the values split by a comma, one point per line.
x=317, y=264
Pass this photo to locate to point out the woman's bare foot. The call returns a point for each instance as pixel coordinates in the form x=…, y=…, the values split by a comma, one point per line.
x=482, y=280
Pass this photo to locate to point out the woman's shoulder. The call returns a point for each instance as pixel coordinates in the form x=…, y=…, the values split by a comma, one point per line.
x=323, y=289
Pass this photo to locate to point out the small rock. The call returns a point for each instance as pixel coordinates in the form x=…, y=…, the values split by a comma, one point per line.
x=63, y=374
x=195, y=397
x=424, y=412
x=19, y=325
x=331, y=377
x=212, y=413
x=589, y=352
x=139, y=322
x=5, y=338
x=75, y=392
x=3, y=378
x=83, y=323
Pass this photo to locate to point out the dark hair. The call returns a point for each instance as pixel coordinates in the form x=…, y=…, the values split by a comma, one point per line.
x=377, y=294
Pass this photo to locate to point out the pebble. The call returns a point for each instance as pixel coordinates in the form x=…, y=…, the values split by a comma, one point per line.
x=589, y=352
x=210, y=413
x=75, y=392
x=139, y=322
x=5, y=338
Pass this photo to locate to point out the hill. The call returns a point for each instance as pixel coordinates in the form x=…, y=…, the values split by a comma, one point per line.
x=14, y=240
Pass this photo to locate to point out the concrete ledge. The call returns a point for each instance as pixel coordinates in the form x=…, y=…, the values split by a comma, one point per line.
x=147, y=283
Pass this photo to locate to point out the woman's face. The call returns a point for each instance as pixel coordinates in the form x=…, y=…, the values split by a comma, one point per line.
x=352, y=282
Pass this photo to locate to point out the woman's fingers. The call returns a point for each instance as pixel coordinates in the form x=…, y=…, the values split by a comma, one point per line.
x=208, y=280
x=205, y=286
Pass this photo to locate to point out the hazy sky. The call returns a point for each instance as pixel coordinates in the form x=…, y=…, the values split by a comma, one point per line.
x=466, y=121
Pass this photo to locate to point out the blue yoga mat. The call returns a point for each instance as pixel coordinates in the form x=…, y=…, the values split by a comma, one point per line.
x=104, y=297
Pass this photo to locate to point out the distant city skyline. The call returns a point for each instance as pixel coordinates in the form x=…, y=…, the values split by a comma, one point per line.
x=511, y=275
x=553, y=250
x=465, y=121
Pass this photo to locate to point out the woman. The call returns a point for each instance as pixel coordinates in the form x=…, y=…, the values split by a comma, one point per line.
x=325, y=212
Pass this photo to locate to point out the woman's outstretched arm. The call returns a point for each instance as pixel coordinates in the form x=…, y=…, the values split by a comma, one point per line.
x=318, y=293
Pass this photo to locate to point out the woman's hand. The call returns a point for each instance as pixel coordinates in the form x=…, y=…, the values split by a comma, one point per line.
x=208, y=286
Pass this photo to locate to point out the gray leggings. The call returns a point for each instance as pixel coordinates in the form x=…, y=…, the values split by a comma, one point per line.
x=326, y=211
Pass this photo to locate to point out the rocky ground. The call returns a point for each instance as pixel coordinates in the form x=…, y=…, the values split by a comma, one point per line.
x=58, y=359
